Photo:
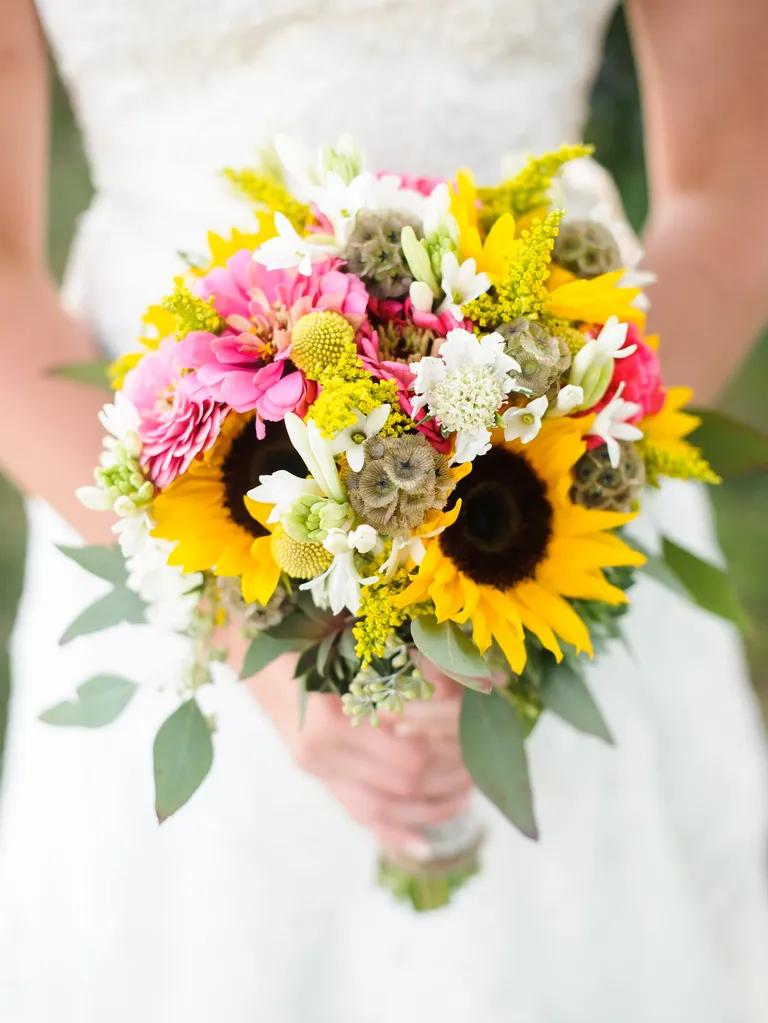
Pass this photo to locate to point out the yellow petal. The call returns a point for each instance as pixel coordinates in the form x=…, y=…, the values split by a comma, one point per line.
x=595, y=300
x=557, y=612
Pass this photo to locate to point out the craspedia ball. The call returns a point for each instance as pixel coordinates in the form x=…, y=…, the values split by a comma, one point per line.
x=586, y=248
x=299, y=560
x=599, y=485
x=375, y=253
x=318, y=341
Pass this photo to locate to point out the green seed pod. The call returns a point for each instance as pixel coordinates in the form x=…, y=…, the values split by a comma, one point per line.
x=598, y=485
x=586, y=248
x=542, y=357
x=375, y=252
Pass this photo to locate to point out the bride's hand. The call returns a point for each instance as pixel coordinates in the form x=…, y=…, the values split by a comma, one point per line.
x=394, y=779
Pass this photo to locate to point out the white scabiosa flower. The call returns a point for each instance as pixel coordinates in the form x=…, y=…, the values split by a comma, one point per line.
x=611, y=424
x=464, y=387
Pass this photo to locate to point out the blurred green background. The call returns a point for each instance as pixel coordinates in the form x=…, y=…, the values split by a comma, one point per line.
x=616, y=129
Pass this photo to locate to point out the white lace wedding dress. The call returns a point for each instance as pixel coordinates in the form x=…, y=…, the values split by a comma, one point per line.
x=645, y=899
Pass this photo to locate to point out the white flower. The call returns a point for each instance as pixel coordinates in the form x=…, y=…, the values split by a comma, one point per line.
x=568, y=398
x=351, y=439
x=363, y=539
x=436, y=213
x=596, y=353
x=340, y=584
x=289, y=249
x=461, y=283
x=611, y=424
x=121, y=485
x=524, y=423
x=283, y=488
x=421, y=297
x=171, y=595
x=132, y=532
x=464, y=387
x=305, y=173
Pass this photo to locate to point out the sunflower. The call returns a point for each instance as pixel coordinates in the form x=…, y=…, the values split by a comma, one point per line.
x=206, y=512
x=519, y=548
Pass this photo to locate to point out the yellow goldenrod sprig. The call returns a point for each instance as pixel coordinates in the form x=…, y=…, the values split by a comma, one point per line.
x=529, y=189
x=678, y=460
x=191, y=312
x=378, y=617
x=267, y=191
x=521, y=291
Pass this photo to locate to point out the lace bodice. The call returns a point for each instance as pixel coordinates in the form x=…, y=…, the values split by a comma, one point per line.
x=168, y=92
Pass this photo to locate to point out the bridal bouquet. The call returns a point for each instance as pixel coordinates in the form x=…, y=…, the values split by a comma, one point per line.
x=403, y=418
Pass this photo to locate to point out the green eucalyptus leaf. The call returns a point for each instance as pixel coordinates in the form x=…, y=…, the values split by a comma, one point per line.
x=105, y=562
x=307, y=661
x=99, y=701
x=493, y=746
x=732, y=447
x=121, y=605
x=565, y=693
x=92, y=373
x=263, y=650
x=183, y=754
x=707, y=585
x=324, y=652
x=299, y=627
x=451, y=650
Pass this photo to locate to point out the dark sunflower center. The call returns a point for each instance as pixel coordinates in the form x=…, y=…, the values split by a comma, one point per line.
x=248, y=459
x=504, y=524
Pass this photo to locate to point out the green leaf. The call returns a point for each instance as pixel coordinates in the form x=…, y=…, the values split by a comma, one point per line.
x=732, y=447
x=307, y=661
x=92, y=373
x=565, y=693
x=299, y=627
x=451, y=650
x=324, y=652
x=183, y=754
x=105, y=562
x=99, y=701
x=493, y=746
x=121, y=605
x=707, y=585
x=263, y=650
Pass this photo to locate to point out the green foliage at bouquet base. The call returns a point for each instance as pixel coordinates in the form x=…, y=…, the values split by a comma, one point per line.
x=99, y=701
x=424, y=890
x=708, y=586
x=493, y=745
x=118, y=606
x=452, y=650
x=565, y=693
x=183, y=754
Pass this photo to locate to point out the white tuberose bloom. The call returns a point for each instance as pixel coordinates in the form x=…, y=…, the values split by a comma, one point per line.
x=351, y=439
x=339, y=586
x=611, y=424
x=464, y=387
x=461, y=283
x=289, y=249
x=568, y=398
x=283, y=489
x=524, y=423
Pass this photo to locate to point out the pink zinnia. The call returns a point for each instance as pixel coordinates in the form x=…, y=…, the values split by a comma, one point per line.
x=425, y=186
x=175, y=426
x=245, y=367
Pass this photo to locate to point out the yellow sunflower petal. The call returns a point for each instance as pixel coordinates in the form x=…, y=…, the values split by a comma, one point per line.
x=557, y=612
x=595, y=300
x=536, y=624
x=581, y=584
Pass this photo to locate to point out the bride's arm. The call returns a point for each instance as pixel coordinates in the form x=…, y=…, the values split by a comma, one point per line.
x=704, y=77
x=49, y=432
